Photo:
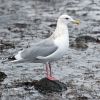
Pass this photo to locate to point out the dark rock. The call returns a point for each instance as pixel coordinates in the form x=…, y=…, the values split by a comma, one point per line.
x=48, y=86
x=82, y=98
x=80, y=45
x=85, y=39
x=19, y=66
x=6, y=44
x=37, y=20
x=85, y=14
x=96, y=32
x=45, y=0
x=9, y=28
x=80, y=42
x=20, y=25
x=52, y=25
x=2, y=76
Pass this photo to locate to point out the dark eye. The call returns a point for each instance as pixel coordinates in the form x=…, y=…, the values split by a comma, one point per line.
x=67, y=18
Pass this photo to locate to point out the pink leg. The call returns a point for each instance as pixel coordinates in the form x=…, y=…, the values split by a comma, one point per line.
x=50, y=69
x=49, y=72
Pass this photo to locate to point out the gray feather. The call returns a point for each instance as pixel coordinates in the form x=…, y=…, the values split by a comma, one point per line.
x=43, y=48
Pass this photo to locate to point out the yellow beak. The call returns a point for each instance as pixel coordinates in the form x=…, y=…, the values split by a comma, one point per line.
x=76, y=22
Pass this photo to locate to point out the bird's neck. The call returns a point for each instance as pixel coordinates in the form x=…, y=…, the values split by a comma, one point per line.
x=61, y=30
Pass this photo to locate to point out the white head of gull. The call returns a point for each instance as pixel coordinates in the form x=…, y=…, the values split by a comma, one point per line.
x=50, y=49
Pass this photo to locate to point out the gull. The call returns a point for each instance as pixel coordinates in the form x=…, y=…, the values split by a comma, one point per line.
x=50, y=49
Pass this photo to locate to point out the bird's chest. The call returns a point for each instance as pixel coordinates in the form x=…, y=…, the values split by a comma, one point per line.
x=63, y=44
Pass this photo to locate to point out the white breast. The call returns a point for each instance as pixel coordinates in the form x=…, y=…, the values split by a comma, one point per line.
x=63, y=43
